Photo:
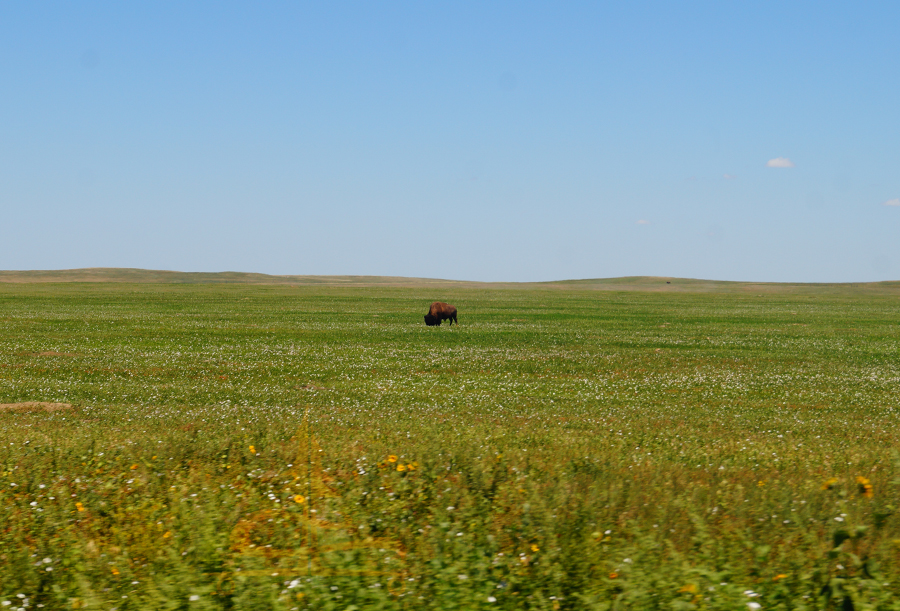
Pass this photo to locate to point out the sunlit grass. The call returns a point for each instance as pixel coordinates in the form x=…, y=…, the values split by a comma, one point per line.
x=311, y=447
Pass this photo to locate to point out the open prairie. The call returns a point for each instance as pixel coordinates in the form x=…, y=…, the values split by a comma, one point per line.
x=296, y=444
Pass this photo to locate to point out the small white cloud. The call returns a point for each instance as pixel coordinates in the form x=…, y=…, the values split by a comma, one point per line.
x=643, y=222
x=780, y=162
x=892, y=202
x=729, y=176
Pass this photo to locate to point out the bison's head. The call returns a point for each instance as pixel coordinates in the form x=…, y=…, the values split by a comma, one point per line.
x=432, y=321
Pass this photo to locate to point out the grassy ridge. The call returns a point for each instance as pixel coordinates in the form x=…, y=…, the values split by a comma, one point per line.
x=270, y=446
x=631, y=283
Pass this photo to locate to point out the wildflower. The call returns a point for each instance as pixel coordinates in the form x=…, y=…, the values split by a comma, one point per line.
x=491, y=599
x=760, y=483
x=534, y=548
x=167, y=535
x=829, y=483
x=411, y=467
x=613, y=575
x=401, y=467
x=115, y=571
x=780, y=576
x=252, y=450
x=753, y=606
x=392, y=458
x=299, y=498
x=79, y=506
x=689, y=588
x=865, y=486
x=193, y=597
x=133, y=467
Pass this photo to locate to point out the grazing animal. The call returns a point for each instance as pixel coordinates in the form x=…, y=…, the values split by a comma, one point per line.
x=439, y=312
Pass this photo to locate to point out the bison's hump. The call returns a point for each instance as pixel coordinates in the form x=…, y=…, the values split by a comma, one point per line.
x=441, y=309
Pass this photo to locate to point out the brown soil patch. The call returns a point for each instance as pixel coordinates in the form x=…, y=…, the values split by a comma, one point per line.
x=310, y=387
x=34, y=406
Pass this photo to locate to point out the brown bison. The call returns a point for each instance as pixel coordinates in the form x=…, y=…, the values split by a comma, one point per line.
x=440, y=311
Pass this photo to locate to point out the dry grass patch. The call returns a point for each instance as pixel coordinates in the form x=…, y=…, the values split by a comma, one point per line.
x=34, y=406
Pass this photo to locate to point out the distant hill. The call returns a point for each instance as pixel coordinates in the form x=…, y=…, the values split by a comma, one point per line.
x=150, y=276
x=631, y=283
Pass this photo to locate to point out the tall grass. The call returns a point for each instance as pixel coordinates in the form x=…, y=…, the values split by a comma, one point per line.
x=260, y=447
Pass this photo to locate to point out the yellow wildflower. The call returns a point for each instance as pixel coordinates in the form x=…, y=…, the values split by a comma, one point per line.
x=690, y=588
x=167, y=535
x=613, y=575
x=777, y=577
x=865, y=486
x=829, y=483
x=760, y=483
x=299, y=498
x=534, y=547
x=392, y=458
x=411, y=467
x=133, y=467
x=115, y=571
x=79, y=506
x=252, y=450
x=401, y=467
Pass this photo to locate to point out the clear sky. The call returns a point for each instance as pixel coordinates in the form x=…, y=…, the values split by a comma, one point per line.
x=465, y=140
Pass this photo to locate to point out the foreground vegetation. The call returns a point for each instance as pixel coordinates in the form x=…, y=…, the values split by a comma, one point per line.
x=277, y=447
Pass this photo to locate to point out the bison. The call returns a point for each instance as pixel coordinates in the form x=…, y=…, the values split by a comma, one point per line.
x=440, y=311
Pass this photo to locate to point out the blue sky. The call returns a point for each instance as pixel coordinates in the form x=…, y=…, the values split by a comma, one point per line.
x=480, y=141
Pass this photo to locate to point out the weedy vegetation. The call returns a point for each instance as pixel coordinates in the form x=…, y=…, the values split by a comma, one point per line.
x=173, y=446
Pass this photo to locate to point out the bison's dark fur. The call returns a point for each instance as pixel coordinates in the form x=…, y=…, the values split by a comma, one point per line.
x=440, y=311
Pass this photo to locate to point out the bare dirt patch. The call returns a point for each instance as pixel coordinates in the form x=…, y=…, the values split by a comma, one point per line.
x=34, y=406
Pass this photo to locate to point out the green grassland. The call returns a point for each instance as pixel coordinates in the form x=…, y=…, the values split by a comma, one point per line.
x=283, y=443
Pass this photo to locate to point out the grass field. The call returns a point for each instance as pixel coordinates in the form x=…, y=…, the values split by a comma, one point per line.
x=582, y=445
